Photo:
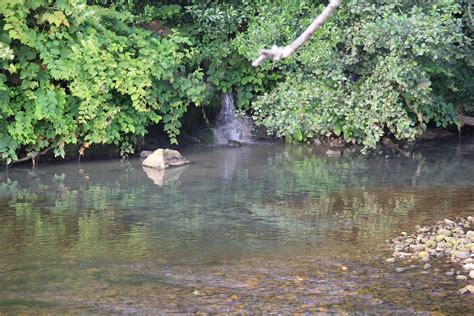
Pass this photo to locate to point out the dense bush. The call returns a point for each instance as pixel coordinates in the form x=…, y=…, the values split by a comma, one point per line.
x=375, y=67
x=84, y=74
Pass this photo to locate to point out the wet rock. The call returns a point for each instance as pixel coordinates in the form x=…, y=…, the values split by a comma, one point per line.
x=423, y=254
x=470, y=235
x=333, y=153
x=234, y=143
x=468, y=289
x=444, y=232
x=447, y=238
x=164, y=158
x=156, y=160
x=468, y=266
x=417, y=247
x=463, y=255
x=449, y=222
x=145, y=153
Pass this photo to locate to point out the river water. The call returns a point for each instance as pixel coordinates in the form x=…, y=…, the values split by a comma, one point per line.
x=260, y=228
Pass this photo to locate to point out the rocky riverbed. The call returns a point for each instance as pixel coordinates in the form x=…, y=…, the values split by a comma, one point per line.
x=448, y=240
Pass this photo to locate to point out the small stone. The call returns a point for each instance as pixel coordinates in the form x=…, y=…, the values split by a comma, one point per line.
x=145, y=153
x=427, y=266
x=470, y=235
x=463, y=255
x=417, y=247
x=468, y=289
x=450, y=273
x=390, y=260
x=461, y=277
x=333, y=153
x=469, y=266
x=403, y=233
x=471, y=274
x=234, y=297
x=444, y=232
x=399, y=270
x=423, y=254
x=449, y=222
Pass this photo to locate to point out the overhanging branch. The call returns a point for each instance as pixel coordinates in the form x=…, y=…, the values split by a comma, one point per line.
x=276, y=53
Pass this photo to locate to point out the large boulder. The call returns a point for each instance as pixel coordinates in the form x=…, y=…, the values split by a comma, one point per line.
x=163, y=159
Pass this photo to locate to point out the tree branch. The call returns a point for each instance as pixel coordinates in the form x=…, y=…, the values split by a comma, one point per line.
x=276, y=53
x=466, y=120
x=26, y=158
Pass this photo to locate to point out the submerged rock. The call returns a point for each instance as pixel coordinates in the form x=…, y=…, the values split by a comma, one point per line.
x=164, y=159
x=234, y=143
x=333, y=153
x=145, y=153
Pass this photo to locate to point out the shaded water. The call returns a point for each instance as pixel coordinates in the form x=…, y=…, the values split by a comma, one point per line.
x=251, y=229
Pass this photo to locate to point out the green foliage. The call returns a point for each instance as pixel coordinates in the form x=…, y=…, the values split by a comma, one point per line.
x=100, y=71
x=375, y=67
x=72, y=73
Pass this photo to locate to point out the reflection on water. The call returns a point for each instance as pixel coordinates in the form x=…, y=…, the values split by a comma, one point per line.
x=257, y=228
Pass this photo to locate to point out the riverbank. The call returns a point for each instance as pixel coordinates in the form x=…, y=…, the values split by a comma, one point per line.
x=448, y=240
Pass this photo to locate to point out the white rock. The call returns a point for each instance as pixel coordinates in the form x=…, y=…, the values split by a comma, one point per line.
x=155, y=160
x=470, y=235
x=161, y=159
x=468, y=267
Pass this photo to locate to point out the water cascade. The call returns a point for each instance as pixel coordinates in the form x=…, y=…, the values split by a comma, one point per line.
x=230, y=126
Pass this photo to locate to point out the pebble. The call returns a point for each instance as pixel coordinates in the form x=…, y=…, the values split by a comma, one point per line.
x=444, y=232
x=400, y=270
x=423, y=254
x=390, y=260
x=449, y=222
x=452, y=239
x=468, y=289
x=463, y=255
x=470, y=235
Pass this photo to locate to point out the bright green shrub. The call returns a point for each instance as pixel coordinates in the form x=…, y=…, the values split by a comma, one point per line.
x=72, y=73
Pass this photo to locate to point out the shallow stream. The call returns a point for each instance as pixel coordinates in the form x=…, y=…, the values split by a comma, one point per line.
x=260, y=228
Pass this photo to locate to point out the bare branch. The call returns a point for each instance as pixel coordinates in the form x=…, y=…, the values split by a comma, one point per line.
x=26, y=158
x=466, y=120
x=276, y=53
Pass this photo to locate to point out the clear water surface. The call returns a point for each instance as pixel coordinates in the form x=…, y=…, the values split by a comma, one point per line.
x=261, y=228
